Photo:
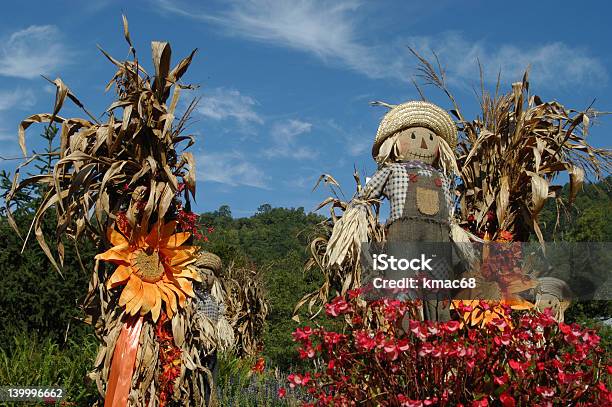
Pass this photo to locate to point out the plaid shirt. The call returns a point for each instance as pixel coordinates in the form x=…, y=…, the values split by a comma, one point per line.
x=392, y=181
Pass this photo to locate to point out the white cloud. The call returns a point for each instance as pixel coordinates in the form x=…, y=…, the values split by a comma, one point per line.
x=18, y=98
x=284, y=140
x=221, y=103
x=355, y=142
x=327, y=29
x=301, y=183
x=230, y=168
x=32, y=51
x=551, y=64
x=334, y=31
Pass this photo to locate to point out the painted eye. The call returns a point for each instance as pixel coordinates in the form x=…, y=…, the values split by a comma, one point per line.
x=413, y=136
x=431, y=137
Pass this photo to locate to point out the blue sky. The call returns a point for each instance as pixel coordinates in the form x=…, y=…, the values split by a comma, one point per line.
x=285, y=86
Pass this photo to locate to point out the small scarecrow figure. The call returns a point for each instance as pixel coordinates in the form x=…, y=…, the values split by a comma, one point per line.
x=414, y=151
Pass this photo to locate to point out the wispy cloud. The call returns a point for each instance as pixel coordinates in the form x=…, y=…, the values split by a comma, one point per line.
x=285, y=140
x=334, y=32
x=231, y=168
x=222, y=103
x=18, y=98
x=551, y=64
x=327, y=29
x=32, y=51
x=355, y=142
x=301, y=182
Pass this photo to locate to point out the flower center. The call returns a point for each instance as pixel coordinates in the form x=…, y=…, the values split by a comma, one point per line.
x=147, y=265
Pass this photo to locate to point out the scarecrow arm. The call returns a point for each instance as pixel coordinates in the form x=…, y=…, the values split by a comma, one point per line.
x=352, y=229
x=375, y=187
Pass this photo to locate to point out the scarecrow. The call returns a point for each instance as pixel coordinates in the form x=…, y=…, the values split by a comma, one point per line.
x=414, y=151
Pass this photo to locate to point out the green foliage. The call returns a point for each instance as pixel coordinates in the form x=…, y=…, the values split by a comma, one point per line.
x=273, y=240
x=43, y=362
x=35, y=298
x=586, y=220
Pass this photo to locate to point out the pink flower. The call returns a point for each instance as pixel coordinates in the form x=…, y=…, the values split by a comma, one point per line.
x=364, y=340
x=507, y=400
x=332, y=338
x=452, y=326
x=298, y=379
x=500, y=323
x=337, y=307
x=403, y=344
x=515, y=365
x=391, y=350
x=282, y=392
x=307, y=353
x=406, y=402
x=302, y=334
x=500, y=380
x=419, y=330
x=426, y=349
x=546, y=392
x=504, y=339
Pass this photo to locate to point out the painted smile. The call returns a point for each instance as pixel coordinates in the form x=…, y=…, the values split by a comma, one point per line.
x=417, y=155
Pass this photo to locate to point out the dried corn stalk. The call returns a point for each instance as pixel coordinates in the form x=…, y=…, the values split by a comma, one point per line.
x=131, y=169
x=129, y=163
x=509, y=156
x=246, y=308
x=341, y=267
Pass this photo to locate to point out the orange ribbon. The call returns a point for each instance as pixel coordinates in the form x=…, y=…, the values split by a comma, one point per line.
x=122, y=365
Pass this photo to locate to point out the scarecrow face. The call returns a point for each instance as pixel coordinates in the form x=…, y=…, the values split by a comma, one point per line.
x=418, y=143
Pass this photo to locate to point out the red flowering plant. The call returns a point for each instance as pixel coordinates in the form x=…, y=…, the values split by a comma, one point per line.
x=188, y=220
x=384, y=357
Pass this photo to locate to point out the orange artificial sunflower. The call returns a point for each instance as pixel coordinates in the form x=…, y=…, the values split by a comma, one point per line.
x=154, y=268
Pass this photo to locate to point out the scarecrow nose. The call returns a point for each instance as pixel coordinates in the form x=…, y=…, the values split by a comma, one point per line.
x=423, y=144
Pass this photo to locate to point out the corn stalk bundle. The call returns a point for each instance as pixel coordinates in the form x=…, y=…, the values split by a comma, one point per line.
x=123, y=181
x=338, y=255
x=246, y=308
x=510, y=156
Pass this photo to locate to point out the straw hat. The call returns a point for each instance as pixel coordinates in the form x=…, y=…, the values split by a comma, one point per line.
x=416, y=114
